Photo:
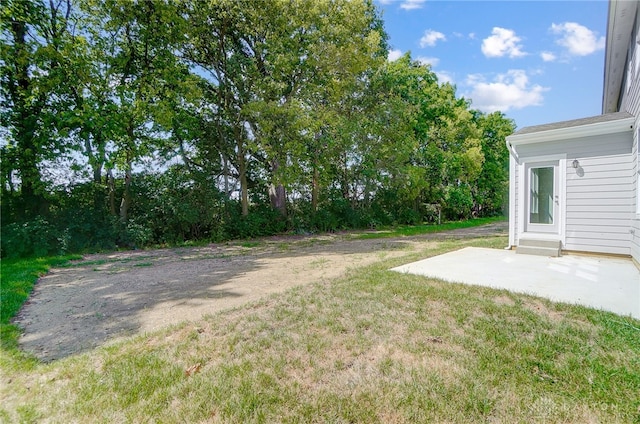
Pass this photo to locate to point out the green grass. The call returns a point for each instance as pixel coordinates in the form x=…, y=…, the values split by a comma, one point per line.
x=414, y=230
x=78, y=264
x=374, y=346
x=17, y=278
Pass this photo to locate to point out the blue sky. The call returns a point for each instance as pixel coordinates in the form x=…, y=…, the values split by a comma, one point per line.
x=538, y=62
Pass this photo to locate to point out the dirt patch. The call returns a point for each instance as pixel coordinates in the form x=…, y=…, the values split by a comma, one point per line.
x=504, y=300
x=108, y=296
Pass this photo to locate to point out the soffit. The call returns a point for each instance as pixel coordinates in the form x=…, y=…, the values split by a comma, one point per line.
x=619, y=28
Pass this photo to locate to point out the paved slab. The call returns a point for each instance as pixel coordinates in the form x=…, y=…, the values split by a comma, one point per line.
x=610, y=284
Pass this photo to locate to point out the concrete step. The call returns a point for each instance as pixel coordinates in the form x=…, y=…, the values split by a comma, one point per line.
x=532, y=242
x=539, y=251
x=539, y=247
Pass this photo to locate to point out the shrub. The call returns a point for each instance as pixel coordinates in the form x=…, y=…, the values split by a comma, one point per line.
x=459, y=202
x=33, y=238
x=261, y=221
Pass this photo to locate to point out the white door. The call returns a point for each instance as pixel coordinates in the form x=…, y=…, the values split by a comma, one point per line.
x=543, y=197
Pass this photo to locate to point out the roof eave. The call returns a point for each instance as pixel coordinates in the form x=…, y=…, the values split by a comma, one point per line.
x=607, y=94
x=621, y=16
x=589, y=130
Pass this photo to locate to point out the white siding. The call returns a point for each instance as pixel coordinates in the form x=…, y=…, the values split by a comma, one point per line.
x=517, y=214
x=631, y=103
x=635, y=221
x=599, y=195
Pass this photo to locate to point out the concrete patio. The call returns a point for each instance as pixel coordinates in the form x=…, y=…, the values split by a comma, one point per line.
x=610, y=284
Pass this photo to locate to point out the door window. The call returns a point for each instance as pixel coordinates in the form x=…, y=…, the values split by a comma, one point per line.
x=541, y=195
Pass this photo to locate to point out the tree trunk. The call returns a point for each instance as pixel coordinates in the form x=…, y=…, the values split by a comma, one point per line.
x=30, y=181
x=26, y=124
x=94, y=158
x=278, y=197
x=315, y=179
x=225, y=172
x=112, y=192
x=345, y=178
x=125, y=203
x=96, y=162
x=315, y=188
x=277, y=192
x=242, y=171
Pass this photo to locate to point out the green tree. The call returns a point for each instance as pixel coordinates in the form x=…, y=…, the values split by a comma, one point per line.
x=272, y=66
x=318, y=56
x=428, y=138
x=214, y=49
x=33, y=37
x=131, y=58
x=490, y=191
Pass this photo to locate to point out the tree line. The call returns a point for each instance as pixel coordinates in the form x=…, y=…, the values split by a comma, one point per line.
x=127, y=123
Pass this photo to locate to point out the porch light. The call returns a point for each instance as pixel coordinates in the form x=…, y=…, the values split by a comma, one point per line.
x=575, y=164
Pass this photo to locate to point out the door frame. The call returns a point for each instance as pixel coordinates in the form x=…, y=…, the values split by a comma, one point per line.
x=524, y=166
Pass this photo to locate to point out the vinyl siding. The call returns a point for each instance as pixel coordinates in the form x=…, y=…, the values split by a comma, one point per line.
x=599, y=195
x=635, y=221
x=517, y=207
x=631, y=103
x=600, y=203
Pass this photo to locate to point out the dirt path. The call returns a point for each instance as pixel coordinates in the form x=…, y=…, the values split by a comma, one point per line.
x=107, y=296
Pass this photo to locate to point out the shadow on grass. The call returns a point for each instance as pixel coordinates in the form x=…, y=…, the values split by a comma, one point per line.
x=104, y=297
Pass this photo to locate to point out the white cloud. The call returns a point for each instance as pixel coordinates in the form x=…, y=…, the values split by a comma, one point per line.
x=508, y=91
x=502, y=42
x=433, y=61
x=472, y=35
x=412, y=4
x=444, y=76
x=394, y=55
x=431, y=37
x=548, y=56
x=579, y=40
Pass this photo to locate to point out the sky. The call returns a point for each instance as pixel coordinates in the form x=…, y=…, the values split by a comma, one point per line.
x=536, y=61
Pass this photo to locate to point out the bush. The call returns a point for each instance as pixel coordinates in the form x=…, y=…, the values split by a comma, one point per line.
x=459, y=202
x=324, y=221
x=176, y=206
x=261, y=221
x=34, y=238
x=136, y=235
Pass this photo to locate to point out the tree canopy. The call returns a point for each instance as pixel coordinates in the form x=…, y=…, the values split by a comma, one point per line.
x=159, y=121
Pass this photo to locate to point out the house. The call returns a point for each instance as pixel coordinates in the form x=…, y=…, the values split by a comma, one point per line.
x=575, y=185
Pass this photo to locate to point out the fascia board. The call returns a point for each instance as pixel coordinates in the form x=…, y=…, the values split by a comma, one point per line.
x=589, y=130
x=609, y=103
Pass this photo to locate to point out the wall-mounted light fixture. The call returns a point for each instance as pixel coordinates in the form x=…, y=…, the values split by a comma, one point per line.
x=575, y=164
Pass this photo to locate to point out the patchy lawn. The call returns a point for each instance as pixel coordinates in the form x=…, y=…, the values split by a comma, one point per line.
x=371, y=346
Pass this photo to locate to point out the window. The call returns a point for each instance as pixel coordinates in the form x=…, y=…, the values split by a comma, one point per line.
x=541, y=196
